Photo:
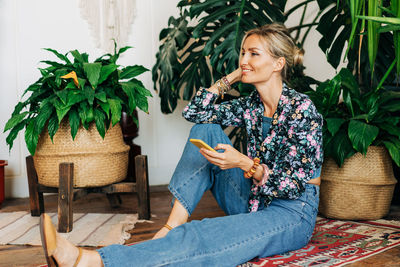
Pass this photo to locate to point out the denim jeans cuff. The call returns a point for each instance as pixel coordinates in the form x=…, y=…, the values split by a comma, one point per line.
x=103, y=257
x=180, y=199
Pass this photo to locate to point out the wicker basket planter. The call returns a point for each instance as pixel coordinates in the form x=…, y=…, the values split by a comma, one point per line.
x=97, y=161
x=362, y=189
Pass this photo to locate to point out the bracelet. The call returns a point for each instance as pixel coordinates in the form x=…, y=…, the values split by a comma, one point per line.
x=223, y=86
x=168, y=227
x=226, y=82
x=252, y=171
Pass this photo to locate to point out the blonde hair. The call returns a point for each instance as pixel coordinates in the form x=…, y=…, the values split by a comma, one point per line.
x=279, y=43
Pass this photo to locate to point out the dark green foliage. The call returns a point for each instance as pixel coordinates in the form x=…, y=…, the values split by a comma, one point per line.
x=359, y=119
x=105, y=90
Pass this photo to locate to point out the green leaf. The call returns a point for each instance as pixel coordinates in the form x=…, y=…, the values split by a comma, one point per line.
x=362, y=135
x=136, y=93
x=89, y=115
x=62, y=95
x=52, y=126
x=132, y=71
x=102, y=96
x=60, y=56
x=394, y=150
x=70, y=85
x=14, y=133
x=123, y=49
x=99, y=118
x=14, y=120
x=347, y=100
x=106, y=71
x=32, y=88
x=92, y=71
x=31, y=138
x=116, y=108
x=83, y=110
x=129, y=89
x=106, y=107
x=349, y=81
x=89, y=94
x=61, y=109
x=77, y=56
x=44, y=114
x=392, y=106
x=390, y=128
x=340, y=147
x=140, y=89
x=75, y=96
x=82, y=82
x=18, y=108
x=141, y=102
x=74, y=122
x=386, y=20
x=334, y=124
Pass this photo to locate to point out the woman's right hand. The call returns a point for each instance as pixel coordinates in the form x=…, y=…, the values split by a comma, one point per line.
x=235, y=76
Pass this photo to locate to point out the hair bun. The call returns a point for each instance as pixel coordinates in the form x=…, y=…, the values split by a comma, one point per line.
x=298, y=56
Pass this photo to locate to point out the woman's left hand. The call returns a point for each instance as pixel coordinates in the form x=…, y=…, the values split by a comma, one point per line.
x=230, y=158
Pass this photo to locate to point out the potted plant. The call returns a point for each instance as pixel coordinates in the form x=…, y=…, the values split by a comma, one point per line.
x=360, y=109
x=359, y=130
x=72, y=115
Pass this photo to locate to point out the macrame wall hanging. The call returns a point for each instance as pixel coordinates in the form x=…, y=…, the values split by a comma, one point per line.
x=108, y=20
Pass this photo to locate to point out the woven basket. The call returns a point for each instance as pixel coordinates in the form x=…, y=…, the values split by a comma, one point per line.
x=362, y=189
x=97, y=161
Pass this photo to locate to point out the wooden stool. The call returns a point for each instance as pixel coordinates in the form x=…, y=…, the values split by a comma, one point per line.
x=66, y=192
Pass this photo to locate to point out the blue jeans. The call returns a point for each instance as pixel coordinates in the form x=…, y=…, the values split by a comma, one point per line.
x=283, y=226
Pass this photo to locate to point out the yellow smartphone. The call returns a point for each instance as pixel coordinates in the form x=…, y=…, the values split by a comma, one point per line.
x=201, y=144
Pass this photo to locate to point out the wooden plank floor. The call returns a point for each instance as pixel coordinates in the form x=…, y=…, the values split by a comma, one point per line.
x=12, y=255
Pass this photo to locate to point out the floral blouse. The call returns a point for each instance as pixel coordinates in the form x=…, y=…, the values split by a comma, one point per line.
x=292, y=150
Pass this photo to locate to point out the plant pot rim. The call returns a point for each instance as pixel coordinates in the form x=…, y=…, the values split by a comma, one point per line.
x=3, y=163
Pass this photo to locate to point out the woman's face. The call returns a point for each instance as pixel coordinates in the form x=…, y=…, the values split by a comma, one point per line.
x=256, y=62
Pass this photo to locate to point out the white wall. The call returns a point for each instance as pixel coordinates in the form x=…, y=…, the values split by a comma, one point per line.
x=26, y=26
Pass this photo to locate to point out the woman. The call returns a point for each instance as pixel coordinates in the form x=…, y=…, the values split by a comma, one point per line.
x=270, y=195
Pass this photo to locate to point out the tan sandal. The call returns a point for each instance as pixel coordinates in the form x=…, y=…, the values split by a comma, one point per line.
x=49, y=240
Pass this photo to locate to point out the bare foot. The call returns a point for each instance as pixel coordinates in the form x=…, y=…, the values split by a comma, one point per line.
x=161, y=233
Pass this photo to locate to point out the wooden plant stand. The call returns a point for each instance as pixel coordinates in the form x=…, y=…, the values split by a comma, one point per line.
x=67, y=193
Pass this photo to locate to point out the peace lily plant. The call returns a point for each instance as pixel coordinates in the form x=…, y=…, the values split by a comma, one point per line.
x=79, y=91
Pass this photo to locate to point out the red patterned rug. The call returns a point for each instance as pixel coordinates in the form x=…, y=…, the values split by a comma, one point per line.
x=336, y=243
